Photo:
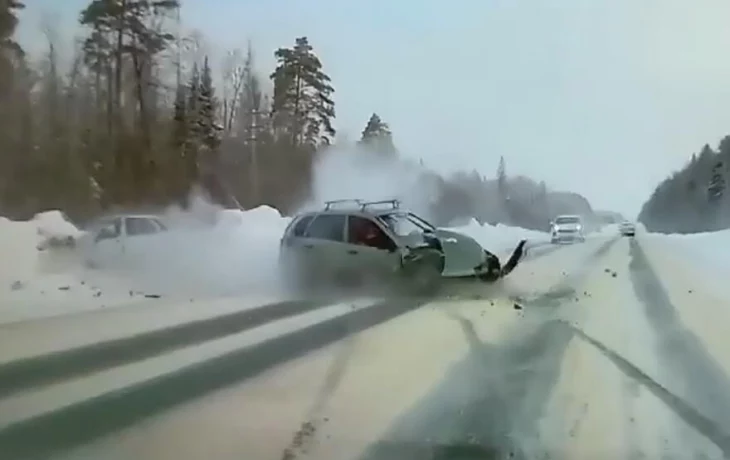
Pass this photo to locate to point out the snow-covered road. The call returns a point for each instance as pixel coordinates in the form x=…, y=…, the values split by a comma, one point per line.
x=608, y=349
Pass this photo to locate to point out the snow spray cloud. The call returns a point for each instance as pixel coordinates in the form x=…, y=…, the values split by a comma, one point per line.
x=344, y=173
x=210, y=251
x=207, y=251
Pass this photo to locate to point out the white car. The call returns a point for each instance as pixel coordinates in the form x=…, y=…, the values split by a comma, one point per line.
x=567, y=228
x=106, y=241
x=627, y=228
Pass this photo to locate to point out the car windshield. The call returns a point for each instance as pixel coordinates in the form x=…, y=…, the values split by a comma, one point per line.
x=567, y=220
x=403, y=224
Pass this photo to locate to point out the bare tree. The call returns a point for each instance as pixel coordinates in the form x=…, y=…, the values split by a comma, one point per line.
x=234, y=76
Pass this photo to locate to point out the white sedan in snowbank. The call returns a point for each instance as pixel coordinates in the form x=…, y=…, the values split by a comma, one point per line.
x=107, y=240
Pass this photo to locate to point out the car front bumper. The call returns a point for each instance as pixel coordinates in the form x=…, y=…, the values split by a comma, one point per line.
x=560, y=237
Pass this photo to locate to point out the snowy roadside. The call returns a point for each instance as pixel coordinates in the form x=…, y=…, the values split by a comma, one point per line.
x=707, y=255
x=235, y=257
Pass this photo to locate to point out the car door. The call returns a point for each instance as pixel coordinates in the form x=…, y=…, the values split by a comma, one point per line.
x=370, y=258
x=138, y=244
x=108, y=245
x=324, y=246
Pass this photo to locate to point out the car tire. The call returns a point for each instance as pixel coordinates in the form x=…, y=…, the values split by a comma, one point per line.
x=493, y=269
x=294, y=278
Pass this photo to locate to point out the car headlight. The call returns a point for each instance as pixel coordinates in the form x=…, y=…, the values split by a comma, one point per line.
x=579, y=227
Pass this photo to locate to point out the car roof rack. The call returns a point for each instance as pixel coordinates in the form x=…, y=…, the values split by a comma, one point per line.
x=328, y=204
x=394, y=203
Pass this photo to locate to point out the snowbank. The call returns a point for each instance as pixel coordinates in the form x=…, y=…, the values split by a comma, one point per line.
x=19, y=243
x=501, y=238
x=709, y=250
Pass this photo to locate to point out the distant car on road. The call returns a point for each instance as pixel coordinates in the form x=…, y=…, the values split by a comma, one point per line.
x=567, y=228
x=377, y=243
x=627, y=228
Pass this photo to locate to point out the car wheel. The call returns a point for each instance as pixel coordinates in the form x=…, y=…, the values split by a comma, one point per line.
x=294, y=277
x=493, y=269
x=425, y=280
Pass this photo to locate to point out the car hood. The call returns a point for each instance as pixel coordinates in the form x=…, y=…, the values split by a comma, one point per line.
x=462, y=252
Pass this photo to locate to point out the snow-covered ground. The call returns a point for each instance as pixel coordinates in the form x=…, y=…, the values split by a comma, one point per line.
x=537, y=356
x=710, y=250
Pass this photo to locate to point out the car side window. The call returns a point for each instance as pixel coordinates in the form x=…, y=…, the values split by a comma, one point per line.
x=327, y=227
x=300, y=226
x=140, y=226
x=160, y=226
x=109, y=231
x=365, y=232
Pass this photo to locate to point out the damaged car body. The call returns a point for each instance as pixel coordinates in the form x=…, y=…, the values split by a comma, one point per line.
x=376, y=243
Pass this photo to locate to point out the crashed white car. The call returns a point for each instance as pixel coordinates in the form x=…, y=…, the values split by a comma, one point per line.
x=106, y=240
x=567, y=229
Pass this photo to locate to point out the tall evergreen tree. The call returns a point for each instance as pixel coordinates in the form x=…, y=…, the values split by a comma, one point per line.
x=210, y=129
x=716, y=187
x=302, y=106
x=502, y=178
x=377, y=137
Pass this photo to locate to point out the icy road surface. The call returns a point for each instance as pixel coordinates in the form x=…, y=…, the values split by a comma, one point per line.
x=608, y=349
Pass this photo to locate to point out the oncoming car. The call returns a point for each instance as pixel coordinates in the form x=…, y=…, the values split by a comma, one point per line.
x=626, y=228
x=364, y=245
x=567, y=228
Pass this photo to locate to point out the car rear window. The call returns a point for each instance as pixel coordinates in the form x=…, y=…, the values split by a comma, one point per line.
x=327, y=227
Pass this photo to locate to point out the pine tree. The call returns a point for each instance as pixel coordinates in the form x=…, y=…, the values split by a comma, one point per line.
x=502, y=178
x=192, y=127
x=716, y=187
x=302, y=107
x=209, y=129
x=10, y=52
x=377, y=137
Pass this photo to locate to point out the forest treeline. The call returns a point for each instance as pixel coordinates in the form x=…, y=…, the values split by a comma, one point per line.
x=692, y=199
x=135, y=117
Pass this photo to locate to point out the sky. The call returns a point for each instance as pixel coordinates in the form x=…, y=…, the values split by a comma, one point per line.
x=601, y=97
